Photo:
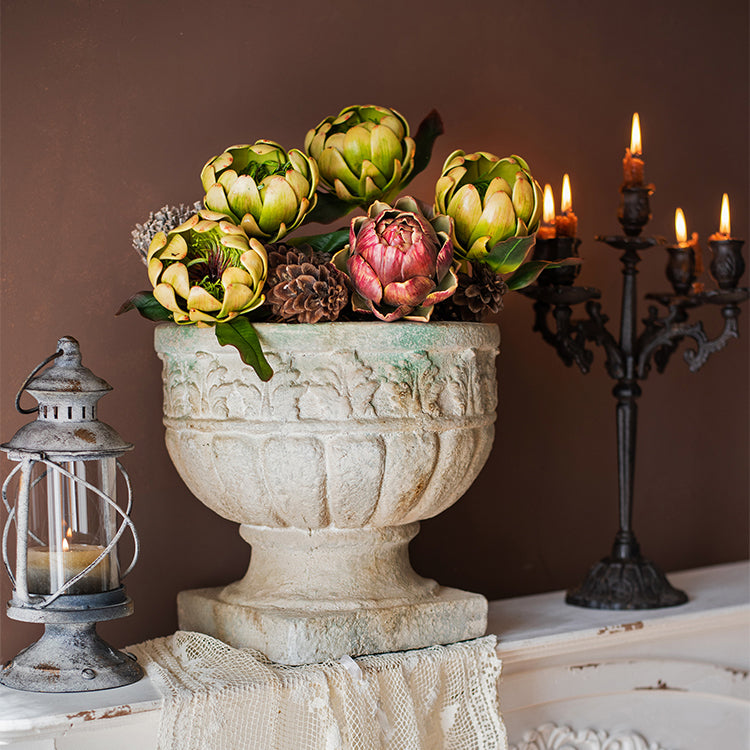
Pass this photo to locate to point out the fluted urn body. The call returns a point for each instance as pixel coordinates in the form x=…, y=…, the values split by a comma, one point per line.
x=364, y=429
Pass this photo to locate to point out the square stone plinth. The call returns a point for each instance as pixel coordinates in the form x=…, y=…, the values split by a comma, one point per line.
x=297, y=636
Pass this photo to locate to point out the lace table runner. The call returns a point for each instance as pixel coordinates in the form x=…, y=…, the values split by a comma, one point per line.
x=222, y=698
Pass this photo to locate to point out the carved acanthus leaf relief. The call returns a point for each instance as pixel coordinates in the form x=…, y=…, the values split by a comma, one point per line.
x=343, y=387
x=252, y=399
x=196, y=388
x=281, y=394
x=553, y=737
x=412, y=387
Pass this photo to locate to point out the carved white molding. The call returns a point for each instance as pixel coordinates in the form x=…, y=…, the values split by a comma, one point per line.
x=554, y=737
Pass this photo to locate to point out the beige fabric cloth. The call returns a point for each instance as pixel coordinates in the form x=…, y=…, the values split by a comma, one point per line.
x=222, y=698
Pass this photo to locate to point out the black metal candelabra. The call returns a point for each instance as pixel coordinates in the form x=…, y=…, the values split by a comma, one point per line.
x=625, y=579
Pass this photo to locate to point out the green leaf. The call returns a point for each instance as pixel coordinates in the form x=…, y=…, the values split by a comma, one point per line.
x=328, y=208
x=529, y=272
x=508, y=255
x=324, y=243
x=240, y=334
x=146, y=304
x=427, y=133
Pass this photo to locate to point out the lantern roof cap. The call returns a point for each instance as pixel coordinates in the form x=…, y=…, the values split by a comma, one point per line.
x=67, y=374
x=66, y=427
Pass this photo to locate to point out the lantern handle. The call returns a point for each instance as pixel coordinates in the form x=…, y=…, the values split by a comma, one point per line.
x=30, y=377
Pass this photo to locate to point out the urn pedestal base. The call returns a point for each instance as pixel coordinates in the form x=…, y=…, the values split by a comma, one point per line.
x=289, y=637
x=313, y=595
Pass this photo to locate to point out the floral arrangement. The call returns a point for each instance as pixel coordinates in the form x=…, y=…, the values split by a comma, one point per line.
x=223, y=263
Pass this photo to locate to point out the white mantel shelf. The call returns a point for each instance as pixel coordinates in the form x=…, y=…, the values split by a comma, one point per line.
x=589, y=669
x=543, y=626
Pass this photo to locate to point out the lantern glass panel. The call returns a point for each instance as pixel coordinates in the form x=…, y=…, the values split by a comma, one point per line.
x=70, y=525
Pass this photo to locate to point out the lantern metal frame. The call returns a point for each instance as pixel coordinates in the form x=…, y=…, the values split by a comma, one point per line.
x=70, y=656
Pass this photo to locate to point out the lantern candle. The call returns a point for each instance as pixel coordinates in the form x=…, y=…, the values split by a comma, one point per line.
x=546, y=229
x=61, y=564
x=632, y=164
x=566, y=223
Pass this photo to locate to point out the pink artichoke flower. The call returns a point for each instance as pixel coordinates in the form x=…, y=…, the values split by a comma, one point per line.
x=399, y=261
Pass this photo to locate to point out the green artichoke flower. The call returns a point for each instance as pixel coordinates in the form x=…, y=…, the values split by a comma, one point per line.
x=207, y=271
x=364, y=154
x=264, y=189
x=489, y=199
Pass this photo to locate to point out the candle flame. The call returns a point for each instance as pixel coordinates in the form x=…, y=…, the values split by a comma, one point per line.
x=548, y=212
x=635, y=136
x=680, y=228
x=566, y=202
x=67, y=534
x=724, y=225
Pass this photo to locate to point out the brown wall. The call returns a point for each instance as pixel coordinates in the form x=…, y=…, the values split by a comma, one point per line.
x=110, y=109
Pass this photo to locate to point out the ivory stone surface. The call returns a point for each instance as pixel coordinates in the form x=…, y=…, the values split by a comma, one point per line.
x=313, y=635
x=364, y=429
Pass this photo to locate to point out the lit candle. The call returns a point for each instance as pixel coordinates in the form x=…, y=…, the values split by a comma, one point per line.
x=683, y=243
x=680, y=231
x=724, y=232
x=632, y=164
x=546, y=229
x=43, y=565
x=680, y=227
x=566, y=223
x=727, y=264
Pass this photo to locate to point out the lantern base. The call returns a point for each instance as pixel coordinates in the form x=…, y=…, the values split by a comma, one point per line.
x=70, y=658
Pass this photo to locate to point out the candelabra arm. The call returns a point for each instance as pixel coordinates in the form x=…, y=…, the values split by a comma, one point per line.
x=662, y=336
x=597, y=332
x=570, y=337
x=569, y=340
x=541, y=310
x=697, y=357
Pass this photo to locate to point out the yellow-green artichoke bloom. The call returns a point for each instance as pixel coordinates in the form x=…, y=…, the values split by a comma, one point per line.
x=364, y=154
x=264, y=189
x=489, y=199
x=207, y=271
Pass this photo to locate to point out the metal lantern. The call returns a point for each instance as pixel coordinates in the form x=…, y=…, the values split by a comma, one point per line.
x=68, y=524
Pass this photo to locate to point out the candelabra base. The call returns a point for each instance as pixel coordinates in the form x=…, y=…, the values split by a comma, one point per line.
x=625, y=583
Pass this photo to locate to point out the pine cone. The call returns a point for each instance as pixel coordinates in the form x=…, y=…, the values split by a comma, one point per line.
x=307, y=293
x=477, y=295
x=281, y=254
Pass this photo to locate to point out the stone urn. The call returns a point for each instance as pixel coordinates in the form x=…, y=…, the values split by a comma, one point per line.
x=364, y=429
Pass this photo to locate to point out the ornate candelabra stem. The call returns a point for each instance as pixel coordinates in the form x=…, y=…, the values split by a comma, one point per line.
x=625, y=545
x=626, y=392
